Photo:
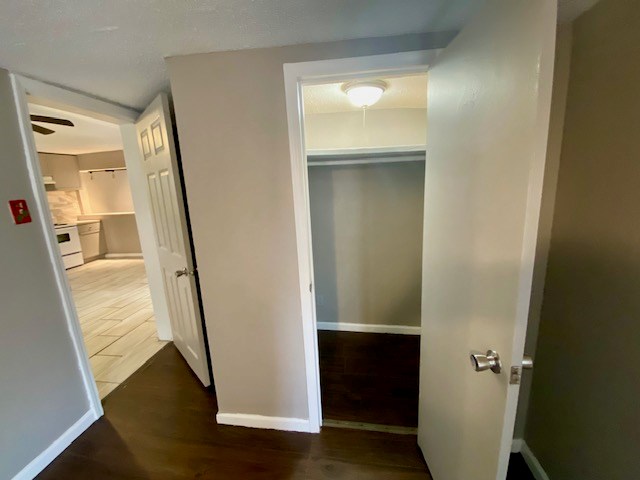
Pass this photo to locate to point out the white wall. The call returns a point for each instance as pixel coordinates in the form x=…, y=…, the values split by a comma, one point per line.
x=41, y=390
x=106, y=192
x=382, y=128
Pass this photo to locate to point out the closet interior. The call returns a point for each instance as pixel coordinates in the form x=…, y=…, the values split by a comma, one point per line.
x=366, y=166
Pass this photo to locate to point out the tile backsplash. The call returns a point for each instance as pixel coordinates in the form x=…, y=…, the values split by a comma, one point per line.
x=64, y=205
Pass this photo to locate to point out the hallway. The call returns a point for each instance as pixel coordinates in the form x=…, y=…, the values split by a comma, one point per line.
x=161, y=424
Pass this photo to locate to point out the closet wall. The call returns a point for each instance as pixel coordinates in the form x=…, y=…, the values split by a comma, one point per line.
x=382, y=128
x=366, y=220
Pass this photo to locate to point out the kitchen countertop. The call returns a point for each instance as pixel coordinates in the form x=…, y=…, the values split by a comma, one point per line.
x=76, y=223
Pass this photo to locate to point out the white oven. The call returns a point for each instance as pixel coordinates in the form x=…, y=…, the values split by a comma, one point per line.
x=69, y=244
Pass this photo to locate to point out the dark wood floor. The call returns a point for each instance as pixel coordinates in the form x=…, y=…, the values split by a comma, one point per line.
x=160, y=424
x=518, y=469
x=369, y=377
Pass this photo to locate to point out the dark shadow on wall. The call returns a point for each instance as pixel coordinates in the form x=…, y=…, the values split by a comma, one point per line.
x=583, y=417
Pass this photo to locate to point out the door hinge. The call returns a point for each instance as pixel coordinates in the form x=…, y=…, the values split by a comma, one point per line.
x=311, y=287
x=516, y=376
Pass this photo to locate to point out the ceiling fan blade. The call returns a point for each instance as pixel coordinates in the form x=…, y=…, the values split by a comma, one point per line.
x=42, y=130
x=57, y=121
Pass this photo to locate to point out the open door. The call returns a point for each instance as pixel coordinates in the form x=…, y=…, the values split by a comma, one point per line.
x=488, y=117
x=164, y=187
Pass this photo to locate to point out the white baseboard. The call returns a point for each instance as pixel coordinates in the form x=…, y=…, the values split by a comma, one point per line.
x=56, y=448
x=516, y=445
x=368, y=328
x=260, y=421
x=123, y=255
x=520, y=446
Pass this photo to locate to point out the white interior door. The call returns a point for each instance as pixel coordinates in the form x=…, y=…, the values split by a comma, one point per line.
x=488, y=114
x=160, y=163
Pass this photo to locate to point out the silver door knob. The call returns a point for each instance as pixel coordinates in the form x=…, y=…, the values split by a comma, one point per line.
x=490, y=361
x=183, y=272
x=527, y=362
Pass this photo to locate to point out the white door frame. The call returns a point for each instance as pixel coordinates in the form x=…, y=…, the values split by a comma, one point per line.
x=60, y=98
x=295, y=76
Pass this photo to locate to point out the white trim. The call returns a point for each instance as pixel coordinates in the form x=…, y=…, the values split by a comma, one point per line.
x=42, y=93
x=533, y=463
x=123, y=255
x=260, y=421
x=516, y=445
x=368, y=328
x=295, y=74
x=38, y=464
x=62, y=282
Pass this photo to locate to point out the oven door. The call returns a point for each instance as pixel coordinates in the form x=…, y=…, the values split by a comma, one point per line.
x=68, y=240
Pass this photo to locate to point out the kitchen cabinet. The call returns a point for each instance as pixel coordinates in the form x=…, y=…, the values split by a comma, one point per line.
x=63, y=169
x=92, y=240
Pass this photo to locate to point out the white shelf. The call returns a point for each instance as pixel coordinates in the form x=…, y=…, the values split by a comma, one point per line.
x=96, y=170
x=105, y=214
x=366, y=151
x=364, y=156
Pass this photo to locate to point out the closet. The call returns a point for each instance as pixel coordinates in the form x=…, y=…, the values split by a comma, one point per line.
x=366, y=168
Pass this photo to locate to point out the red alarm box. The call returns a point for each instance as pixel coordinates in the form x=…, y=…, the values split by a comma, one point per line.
x=19, y=211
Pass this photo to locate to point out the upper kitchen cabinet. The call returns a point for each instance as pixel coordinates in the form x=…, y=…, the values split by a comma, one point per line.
x=101, y=160
x=63, y=168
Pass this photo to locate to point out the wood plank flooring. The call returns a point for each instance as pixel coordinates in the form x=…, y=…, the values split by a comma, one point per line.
x=161, y=425
x=116, y=317
x=369, y=377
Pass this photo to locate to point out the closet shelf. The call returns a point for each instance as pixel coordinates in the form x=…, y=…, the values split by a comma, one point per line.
x=362, y=156
x=95, y=170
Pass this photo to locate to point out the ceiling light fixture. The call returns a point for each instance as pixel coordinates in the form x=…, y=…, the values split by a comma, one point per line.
x=364, y=94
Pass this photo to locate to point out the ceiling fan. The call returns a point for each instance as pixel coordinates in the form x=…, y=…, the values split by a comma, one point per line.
x=45, y=119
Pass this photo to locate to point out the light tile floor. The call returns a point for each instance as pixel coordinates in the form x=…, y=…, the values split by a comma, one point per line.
x=116, y=317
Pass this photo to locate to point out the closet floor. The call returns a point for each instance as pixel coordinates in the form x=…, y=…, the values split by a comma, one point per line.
x=369, y=377
x=114, y=306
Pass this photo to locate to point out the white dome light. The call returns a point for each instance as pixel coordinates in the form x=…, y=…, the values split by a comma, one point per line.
x=364, y=94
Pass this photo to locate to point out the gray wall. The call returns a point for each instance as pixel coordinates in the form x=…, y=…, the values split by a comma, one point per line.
x=583, y=418
x=41, y=391
x=366, y=223
x=231, y=118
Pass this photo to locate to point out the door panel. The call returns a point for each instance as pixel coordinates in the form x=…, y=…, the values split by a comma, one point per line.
x=172, y=237
x=488, y=113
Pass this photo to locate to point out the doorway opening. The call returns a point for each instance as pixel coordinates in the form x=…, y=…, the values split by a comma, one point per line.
x=92, y=211
x=366, y=165
x=168, y=270
x=358, y=182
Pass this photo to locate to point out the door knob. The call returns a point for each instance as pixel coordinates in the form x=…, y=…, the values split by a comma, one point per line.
x=184, y=271
x=490, y=361
x=527, y=362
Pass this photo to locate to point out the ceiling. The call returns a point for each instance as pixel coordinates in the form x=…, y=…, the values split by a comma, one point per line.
x=86, y=136
x=402, y=92
x=115, y=50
